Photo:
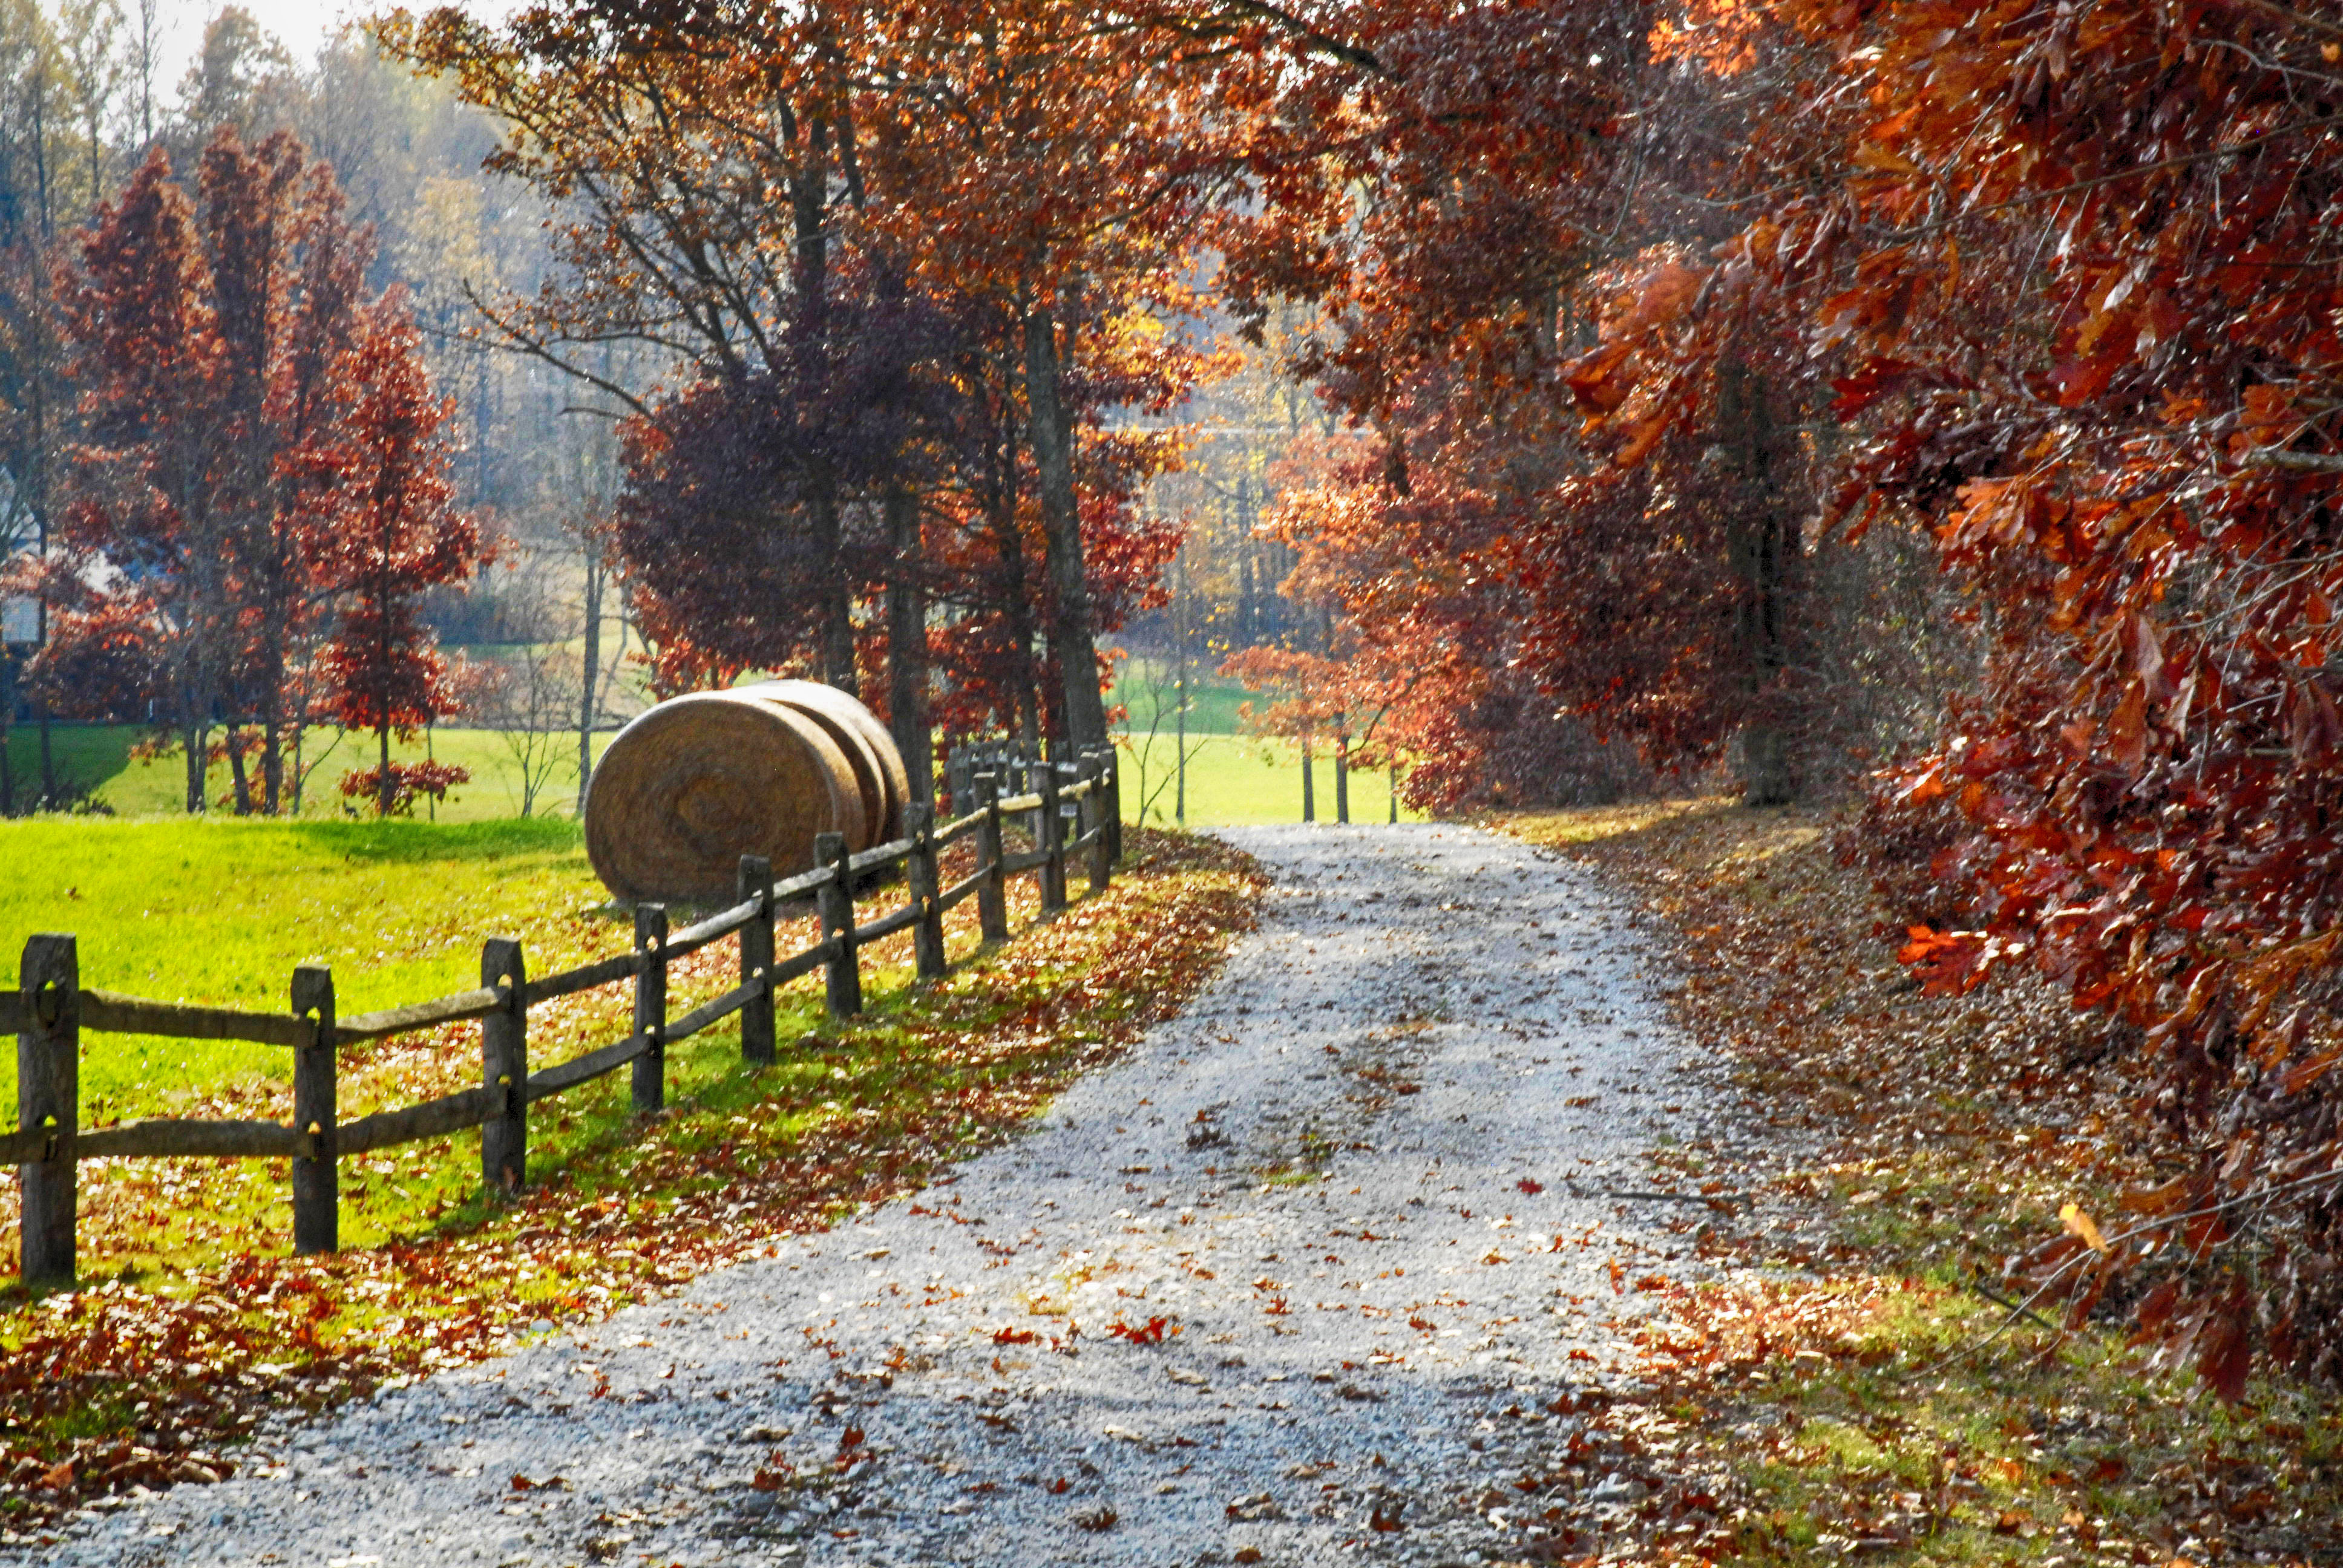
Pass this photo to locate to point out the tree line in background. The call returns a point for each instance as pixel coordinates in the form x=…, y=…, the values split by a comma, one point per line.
x=809, y=438
x=82, y=115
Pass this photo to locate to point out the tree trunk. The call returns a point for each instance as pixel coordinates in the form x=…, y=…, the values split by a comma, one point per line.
x=1309, y=792
x=1015, y=597
x=837, y=602
x=191, y=740
x=272, y=764
x=240, y=786
x=1760, y=540
x=809, y=194
x=1342, y=778
x=1179, y=752
x=1071, y=637
x=907, y=645
x=382, y=789
x=7, y=724
x=593, y=672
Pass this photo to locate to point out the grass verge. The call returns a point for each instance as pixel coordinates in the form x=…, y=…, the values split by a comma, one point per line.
x=220, y=911
x=1853, y=1387
x=151, y=1376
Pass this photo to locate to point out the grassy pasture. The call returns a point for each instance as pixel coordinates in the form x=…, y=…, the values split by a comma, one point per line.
x=1232, y=778
x=1146, y=690
x=216, y=911
x=219, y=912
x=99, y=755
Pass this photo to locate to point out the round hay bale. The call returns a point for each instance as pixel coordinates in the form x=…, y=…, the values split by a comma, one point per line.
x=690, y=786
x=878, y=768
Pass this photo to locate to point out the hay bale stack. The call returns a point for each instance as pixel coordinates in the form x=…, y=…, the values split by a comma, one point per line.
x=697, y=782
x=879, y=773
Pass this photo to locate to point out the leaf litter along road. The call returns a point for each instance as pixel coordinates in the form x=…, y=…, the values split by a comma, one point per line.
x=1314, y=1272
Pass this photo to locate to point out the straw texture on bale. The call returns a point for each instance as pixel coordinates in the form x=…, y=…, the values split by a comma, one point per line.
x=869, y=747
x=694, y=783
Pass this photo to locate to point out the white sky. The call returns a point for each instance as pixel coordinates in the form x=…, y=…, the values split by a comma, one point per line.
x=301, y=24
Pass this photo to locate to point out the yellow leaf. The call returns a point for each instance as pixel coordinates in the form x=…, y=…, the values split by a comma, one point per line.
x=2079, y=1223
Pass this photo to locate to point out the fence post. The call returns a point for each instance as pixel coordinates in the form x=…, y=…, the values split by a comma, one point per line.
x=756, y=961
x=992, y=893
x=504, y=1072
x=316, y=1175
x=1095, y=819
x=1033, y=772
x=48, y=1096
x=924, y=883
x=1113, y=806
x=1052, y=839
x=957, y=768
x=837, y=903
x=650, y=1007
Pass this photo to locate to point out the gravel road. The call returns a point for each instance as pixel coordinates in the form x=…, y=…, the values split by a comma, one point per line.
x=1289, y=1284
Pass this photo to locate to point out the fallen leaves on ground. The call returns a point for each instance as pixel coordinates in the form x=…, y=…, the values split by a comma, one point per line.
x=146, y=1380
x=1862, y=1387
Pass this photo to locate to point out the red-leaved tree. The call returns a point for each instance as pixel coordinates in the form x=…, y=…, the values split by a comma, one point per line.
x=386, y=531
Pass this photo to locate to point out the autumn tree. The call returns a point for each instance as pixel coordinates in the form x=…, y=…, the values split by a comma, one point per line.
x=2045, y=285
x=386, y=530
x=224, y=356
x=2076, y=296
x=700, y=184
x=737, y=182
x=156, y=633
x=40, y=115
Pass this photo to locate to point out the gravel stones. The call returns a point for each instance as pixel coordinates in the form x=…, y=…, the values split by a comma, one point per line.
x=1306, y=1267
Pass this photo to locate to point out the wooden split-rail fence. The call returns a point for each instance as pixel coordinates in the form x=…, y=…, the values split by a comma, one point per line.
x=1075, y=810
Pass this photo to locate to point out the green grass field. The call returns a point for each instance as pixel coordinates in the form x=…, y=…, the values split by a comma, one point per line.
x=99, y=756
x=1146, y=690
x=1232, y=778
x=1242, y=779
x=219, y=912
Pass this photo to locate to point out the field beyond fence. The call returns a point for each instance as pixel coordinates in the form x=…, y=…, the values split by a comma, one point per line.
x=1070, y=813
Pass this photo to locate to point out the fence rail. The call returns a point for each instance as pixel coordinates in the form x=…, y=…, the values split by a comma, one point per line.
x=1074, y=808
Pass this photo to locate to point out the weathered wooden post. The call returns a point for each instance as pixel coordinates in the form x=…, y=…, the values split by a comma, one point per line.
x=958, y=769
x=1052, y=843
x=1094, y=818
x=925, y=882
x=1113, y=807
x=504, y=1072
x=650, y=1007
x=48, y=1097
x=317, y=1174
x=843, y=980
x=1035, y=773
x=756, y=961
x=992, y=893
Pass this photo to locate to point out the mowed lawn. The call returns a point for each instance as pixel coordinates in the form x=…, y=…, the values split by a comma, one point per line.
x=220, y=911
x=1232, y=778
x=99, y=756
